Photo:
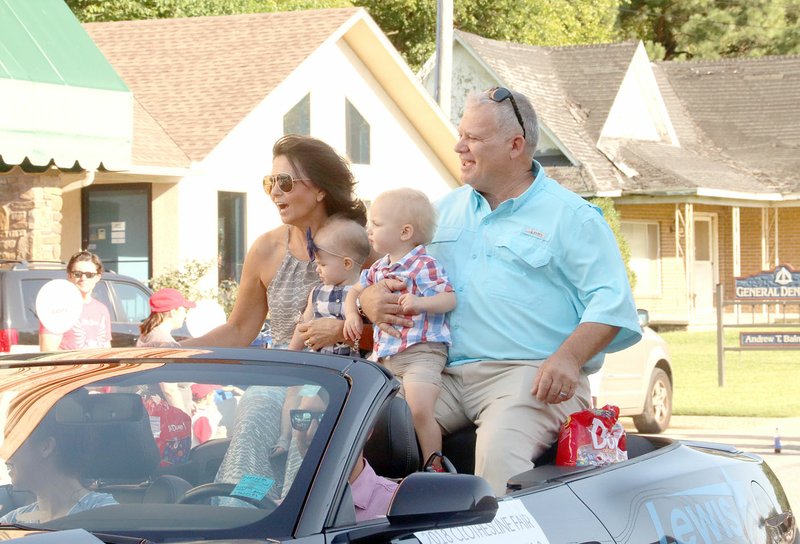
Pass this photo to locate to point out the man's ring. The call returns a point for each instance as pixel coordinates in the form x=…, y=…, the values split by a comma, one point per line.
x=562, y=394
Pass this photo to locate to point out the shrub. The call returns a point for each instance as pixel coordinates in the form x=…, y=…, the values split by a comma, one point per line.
x=188, y=277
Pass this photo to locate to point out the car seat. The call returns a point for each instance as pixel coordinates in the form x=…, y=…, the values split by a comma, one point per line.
x=392, y=449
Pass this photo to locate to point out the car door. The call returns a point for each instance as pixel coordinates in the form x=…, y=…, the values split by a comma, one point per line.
x=129, y=303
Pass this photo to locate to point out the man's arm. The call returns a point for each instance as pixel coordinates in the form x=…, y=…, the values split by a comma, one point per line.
x=561, y=371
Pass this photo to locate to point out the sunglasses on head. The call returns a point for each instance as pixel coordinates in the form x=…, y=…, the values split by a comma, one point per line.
x=301, y=419
x=498, y=94
x=76, y=274
x=285, y=182
x=313, y=248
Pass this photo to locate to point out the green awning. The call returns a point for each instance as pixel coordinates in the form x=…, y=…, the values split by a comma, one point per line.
x=60, y=99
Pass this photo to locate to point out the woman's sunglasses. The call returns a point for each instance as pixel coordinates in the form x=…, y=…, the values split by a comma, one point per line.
x=285, y=182
x=75, y=274
x=301, y=419
x=498, y=94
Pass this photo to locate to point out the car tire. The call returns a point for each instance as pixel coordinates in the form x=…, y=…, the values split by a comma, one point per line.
x=657, y=405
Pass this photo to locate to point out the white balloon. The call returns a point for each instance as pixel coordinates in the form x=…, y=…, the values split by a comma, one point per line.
x=59, y=305
x=204, y=317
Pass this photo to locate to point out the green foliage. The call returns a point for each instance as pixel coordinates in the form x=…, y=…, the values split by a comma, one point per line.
x=187, y=278
x=709, y=29
x=612, y=218
x=411, y=24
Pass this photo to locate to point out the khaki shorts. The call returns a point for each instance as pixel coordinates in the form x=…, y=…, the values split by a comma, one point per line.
x=421, y=362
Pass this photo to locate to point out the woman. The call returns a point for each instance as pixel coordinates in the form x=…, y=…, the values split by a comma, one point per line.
x=309, y=183
x=48, y=464
x=167, y=312
x=93, y=328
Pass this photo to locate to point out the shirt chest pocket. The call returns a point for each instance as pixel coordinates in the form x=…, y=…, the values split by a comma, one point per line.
x=519, y=269
x=447, y=244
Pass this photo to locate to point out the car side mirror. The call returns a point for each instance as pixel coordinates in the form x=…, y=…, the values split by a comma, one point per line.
x=644, y=317
x=425, y=500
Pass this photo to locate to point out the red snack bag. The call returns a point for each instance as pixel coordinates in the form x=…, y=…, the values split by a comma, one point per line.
x=592, y=437
x=172, y=429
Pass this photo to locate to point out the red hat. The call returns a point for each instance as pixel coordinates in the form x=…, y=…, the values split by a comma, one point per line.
x=200, y=390
x=168, y=299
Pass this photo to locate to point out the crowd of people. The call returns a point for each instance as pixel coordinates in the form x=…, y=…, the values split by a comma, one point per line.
x=491, y=306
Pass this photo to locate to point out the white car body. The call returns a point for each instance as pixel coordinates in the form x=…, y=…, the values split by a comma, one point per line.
x=639, y=381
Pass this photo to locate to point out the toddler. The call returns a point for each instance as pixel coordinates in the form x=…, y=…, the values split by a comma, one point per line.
x=401, y=221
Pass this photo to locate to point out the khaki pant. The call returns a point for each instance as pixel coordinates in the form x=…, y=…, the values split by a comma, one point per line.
x=513, y=426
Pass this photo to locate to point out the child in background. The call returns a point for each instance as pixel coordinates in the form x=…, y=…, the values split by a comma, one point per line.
x=167, y=312
x=206, y=416
x=400, y=223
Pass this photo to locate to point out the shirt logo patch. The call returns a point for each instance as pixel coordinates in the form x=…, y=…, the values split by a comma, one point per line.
x=535, y=233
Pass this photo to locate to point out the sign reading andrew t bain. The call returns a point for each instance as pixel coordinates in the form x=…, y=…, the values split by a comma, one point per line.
x=781, y=283
x=765, y=340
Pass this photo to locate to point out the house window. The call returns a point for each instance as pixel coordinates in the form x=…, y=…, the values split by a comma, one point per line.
x=643, y=240
x=298, y=119
x=230, y=235
x=357, y=135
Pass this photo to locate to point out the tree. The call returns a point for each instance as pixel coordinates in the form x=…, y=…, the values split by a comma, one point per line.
x=709, y=29
x=124, y=10
x=411, y=24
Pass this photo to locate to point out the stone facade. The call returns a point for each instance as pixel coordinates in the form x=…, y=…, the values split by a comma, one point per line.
x=30, y=215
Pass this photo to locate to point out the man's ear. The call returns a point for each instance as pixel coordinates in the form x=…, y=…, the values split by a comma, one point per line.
x=406, y=232
x=517, y=146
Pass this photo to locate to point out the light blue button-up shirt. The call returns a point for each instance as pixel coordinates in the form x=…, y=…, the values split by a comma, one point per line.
x=527, y=273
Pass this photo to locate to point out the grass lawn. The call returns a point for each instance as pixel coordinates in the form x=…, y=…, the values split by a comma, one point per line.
x=757, y=383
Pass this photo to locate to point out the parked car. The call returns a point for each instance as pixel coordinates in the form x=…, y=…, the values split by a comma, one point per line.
x=639, y=381
x=127, y=300
x=231, y=489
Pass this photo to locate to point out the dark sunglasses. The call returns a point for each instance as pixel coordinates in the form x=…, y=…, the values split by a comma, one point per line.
x=312, y=249
x=301, y=419
x=77, y=275
x=285, y=182
x=498, y=94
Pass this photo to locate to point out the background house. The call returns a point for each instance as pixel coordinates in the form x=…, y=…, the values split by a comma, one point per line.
x=218, y=92
x=700, y=158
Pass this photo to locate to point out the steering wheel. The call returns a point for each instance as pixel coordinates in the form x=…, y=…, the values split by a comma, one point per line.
x=221, y=489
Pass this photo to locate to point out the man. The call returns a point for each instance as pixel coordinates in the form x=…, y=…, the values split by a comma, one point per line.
x=542, y=291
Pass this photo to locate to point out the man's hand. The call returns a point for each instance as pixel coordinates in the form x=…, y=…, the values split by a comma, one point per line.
x=318, y=333
x=380, y=303
x=557, y=379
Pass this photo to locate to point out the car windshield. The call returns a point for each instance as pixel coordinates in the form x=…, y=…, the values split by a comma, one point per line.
x=163, y=447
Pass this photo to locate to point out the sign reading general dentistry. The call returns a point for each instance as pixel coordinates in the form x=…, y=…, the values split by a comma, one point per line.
x=781, y=283
x=512, y=524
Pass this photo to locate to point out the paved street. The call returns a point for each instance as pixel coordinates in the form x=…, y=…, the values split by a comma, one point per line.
x=751, y=434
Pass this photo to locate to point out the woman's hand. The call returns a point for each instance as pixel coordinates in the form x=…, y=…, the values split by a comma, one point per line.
x=322, y=332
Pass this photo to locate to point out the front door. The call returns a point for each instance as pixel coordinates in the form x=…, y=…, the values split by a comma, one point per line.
x=116, y=226
x=705, y=263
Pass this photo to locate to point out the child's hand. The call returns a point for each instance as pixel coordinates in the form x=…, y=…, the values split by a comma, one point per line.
x=410, y=304
x=353, y=326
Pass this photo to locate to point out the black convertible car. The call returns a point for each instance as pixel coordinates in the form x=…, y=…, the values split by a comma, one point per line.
x=178, y=445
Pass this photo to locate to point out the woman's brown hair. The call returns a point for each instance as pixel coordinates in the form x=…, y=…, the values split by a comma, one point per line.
x=319, y=162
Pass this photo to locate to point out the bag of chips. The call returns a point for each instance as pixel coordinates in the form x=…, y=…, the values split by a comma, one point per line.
x=592, y=437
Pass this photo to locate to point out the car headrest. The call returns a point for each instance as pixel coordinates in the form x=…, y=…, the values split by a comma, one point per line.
x=392, y=449
x=114, y=430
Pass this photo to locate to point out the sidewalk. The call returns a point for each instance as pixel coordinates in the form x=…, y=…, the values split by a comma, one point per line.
x=750, y=434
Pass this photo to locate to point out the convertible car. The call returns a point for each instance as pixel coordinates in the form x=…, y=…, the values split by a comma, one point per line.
x=255, y=445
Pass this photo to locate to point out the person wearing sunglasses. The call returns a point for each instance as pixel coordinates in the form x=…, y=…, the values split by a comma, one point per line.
x=542, y=291
x=309, y=183
x=93, y=328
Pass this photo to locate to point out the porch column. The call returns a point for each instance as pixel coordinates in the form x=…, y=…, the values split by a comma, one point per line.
x=769, y=238
x=737, y=241
x=30, y=215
